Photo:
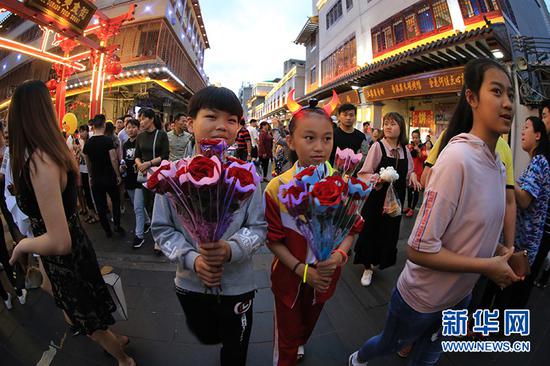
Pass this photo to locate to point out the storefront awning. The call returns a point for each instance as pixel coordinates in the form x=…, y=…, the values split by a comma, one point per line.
x=444, y=53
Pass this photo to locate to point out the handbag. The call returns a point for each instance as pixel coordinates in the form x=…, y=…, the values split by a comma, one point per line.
x=114, y=284
x=142, y=176
x=519, y=262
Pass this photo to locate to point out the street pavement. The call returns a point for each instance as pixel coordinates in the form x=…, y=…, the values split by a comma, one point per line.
x=36, y=334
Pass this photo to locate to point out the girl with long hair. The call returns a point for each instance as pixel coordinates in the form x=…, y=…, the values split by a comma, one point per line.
x=45, y=176
x=456, y=234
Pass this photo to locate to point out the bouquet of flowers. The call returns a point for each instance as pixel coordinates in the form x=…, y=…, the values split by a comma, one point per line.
x=206, y=189
x=325, y=207
x=392, y=207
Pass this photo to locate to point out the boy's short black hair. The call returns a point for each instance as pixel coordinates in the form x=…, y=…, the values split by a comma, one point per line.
x=134, y=122
x=366, y=124
x=545, y=104
x=242, y=122
x=84, y=128
x=347, y=107
x=253, y=121
x=218, y=98
x=99, y=121
x=179, y=115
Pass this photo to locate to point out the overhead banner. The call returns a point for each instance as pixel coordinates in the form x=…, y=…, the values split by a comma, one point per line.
x=74, y=14
x=435, y=82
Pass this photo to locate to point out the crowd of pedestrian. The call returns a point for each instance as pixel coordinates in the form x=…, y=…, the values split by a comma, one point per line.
x=477, y=228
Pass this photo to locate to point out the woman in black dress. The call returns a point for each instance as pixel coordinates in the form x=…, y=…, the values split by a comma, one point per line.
x=45, y=175
x=377, y=243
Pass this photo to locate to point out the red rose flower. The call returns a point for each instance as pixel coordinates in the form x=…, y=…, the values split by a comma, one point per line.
x=294, y=191
x=306, y=172
x=203, y=171
x=244, y=176
x=328, y=192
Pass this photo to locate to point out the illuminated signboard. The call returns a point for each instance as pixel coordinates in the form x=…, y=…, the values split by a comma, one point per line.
x=73, y=14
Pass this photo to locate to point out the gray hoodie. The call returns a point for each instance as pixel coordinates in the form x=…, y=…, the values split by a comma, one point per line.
x=245, y=235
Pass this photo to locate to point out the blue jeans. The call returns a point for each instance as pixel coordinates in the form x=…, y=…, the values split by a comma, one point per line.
x=142, y=218
x=405, y=326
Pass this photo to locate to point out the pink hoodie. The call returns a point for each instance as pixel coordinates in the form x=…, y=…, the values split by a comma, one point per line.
x=463, y=211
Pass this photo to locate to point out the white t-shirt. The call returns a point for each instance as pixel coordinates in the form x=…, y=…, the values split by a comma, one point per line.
x=254, y=135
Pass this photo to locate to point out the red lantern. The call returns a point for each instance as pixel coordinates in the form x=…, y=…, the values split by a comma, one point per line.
x=51, y=85
x=114, y=68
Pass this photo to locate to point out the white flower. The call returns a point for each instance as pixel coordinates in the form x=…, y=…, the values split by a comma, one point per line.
x=389, y=174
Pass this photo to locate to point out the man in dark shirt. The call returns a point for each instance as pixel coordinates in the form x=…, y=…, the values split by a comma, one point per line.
x=102, y=161
x=345, y=134
x=244, y=143
x=133, y=187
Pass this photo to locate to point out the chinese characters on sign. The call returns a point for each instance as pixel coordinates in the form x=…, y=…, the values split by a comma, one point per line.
x=445, y=81
x=75, y=14
x=423, y=119
x=485, y=322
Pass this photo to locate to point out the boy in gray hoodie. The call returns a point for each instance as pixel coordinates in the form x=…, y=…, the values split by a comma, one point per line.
x=227, y=265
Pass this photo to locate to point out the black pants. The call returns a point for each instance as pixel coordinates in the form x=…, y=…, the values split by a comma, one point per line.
x=100, y=192
x=225, y=319
x=412, y=198
x=17, y=279
x=265, y=165
x=544, y=248
x=87, y=191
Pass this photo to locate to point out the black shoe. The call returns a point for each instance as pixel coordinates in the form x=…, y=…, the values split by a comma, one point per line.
x=75, y=330
x=146, y=228
x=138, y=242
x=157, y=252
x=120, y=230
x=109, y=234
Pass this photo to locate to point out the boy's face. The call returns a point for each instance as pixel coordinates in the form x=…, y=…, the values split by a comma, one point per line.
x=132, y=130
x=213, y=123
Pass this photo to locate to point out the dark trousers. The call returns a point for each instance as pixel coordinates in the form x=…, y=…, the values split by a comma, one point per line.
x=224, y=319
x=412, y=198
x=544, y=248
x=17, y=278
x=265, y=165
x=87, y=191
x=100, y=193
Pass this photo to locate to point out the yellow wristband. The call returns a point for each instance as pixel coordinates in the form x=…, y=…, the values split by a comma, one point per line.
x=305, y=272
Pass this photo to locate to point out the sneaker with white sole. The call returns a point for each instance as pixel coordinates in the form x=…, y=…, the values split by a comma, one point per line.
x=7, y=302
x=352, y=361
x=138, y=242
x=300, y=354
x=23, y=298
x=366, y=279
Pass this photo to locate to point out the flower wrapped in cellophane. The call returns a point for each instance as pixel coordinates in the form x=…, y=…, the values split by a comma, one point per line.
x=206, y=189
x=325, y=207
x=346, y=161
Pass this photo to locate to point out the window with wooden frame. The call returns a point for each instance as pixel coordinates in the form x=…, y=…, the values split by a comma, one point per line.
x=340, y=61
x=441, y=14
x=421, y=20
x=473, y=10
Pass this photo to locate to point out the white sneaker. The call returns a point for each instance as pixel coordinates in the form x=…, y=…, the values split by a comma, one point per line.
x=366, y=279
x=352, y=361
x=23, y=298
x=8, y=302
x=300, y=354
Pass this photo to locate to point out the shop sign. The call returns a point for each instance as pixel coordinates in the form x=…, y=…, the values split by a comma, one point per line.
x=423, y=119
x=75, y=14
x=437, y=82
